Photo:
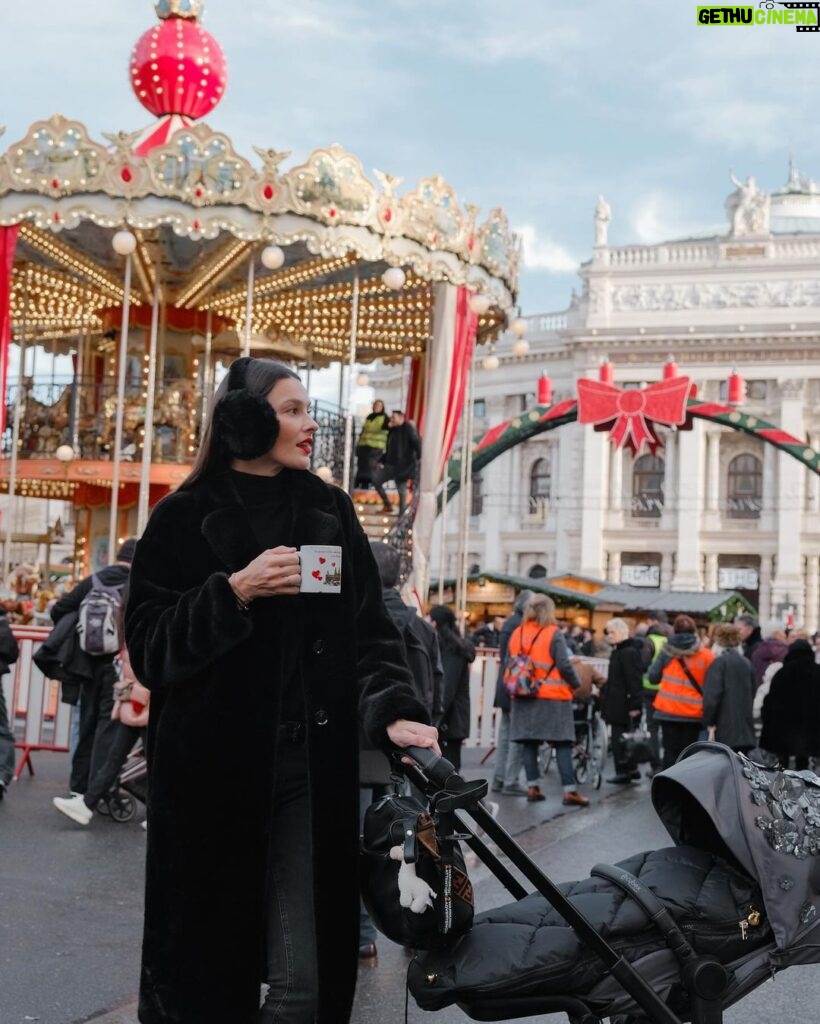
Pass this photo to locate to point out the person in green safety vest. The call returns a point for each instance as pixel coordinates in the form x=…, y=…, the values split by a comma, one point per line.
x=657, y=634
x=371, y=444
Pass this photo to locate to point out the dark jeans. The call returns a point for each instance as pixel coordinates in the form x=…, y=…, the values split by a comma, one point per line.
x=653, y=727
x=380, y=476
x=6, y=743
x=122, y=740
x=97, y=731
x=366, y=459
x=368, y=794
x=293, y=995
x=676, y=738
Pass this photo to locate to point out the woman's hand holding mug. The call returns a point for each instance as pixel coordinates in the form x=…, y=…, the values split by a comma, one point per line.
x=275, y=572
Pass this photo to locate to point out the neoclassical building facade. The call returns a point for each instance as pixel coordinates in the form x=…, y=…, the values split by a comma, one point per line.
x=714, y=509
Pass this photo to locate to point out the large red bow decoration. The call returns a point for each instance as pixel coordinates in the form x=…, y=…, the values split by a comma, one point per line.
x=629, y=414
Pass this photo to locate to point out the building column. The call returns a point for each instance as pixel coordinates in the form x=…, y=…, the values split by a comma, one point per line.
x=765, y=588
x=811, y=620
x=614, y=567
x=670, y=485
x=713, y=489
x=771, y=485
x=711, y=572
x=667, y=568
x=564, y=488
x=690, y=506
x=813, y=488
x=591, y=487
x=616, y=478
x=787, y=587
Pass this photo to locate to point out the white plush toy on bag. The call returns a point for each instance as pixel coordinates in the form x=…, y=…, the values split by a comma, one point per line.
x=414, y=892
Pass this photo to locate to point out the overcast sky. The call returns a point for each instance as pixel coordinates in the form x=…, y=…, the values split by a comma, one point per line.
x=534, y=105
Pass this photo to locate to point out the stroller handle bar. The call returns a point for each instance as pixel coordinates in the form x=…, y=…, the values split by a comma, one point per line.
x=437, y=768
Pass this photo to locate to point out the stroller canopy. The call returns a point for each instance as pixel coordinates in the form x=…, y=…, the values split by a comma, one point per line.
x=766, y=822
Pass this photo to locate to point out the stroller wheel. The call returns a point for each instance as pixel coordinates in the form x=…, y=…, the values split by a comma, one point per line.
x=102, y=808
x=121, y=805
x=581, y=767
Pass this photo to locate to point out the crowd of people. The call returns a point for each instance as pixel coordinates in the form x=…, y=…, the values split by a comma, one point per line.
x=212, y=617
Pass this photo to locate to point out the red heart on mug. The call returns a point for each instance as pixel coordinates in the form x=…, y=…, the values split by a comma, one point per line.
x=316, y=574
x=321, y=561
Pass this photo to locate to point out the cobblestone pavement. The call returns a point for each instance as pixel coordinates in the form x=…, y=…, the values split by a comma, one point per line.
x=71, y=898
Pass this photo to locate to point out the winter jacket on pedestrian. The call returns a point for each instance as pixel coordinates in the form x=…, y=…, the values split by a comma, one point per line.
x=624, y=682
x=545, y=718
x=791, y=710
x=403, y=451
x=60, y=657
x=752, y=642
x=457, y=654
x=678, y=700
x=728, y=695
x=217, y=683
x=9, y=651
x=766, y=653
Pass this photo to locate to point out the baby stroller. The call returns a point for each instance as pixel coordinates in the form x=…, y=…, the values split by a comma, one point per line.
x=673, y=935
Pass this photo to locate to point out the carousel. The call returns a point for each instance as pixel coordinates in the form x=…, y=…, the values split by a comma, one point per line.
x=149, y=258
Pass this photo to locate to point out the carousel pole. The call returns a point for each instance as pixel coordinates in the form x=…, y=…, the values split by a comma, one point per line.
x=442, y=554
x=466, y=500
x=148, y=431
x=15, y=435
x=351, y=381
x=124, y=244
x=208, y=372
x=246, y=343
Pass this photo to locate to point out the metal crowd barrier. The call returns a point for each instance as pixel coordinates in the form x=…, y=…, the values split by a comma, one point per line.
x=484, y=718
x=37, y=718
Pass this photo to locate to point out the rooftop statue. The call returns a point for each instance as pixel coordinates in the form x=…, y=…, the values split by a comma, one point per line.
x=603, y=215
x=747, y=208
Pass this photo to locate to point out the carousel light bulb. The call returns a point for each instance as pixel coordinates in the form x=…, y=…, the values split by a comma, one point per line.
x=394, y=278
x=124, y=243
x=65, y=453
x=273, y=257
x=479, y=303
x=520, y=347
x=490, y=362
x=519, y=327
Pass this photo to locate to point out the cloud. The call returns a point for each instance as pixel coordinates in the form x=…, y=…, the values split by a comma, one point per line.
x=656, y=218
x=543, y=254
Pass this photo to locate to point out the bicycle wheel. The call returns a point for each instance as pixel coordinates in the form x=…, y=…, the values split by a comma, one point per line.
x=581, y=761
x=597, y=749
x=546, y=755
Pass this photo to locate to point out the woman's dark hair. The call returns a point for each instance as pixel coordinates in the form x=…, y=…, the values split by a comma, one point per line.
x=258, y=378
x=684, y=624
x=449, y=637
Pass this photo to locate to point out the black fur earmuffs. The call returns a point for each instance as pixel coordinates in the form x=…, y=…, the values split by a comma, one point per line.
x=245, y=425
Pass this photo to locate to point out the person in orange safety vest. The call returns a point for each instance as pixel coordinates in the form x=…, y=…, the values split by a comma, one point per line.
x=547, y=714
x=680, y=669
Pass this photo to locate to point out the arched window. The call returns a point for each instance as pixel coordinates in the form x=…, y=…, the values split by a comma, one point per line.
x=537, y=571
x=647, y=487
x=540, y=483
x=744, y=487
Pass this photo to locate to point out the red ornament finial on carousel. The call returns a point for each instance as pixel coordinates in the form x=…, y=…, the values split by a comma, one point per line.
x=178, y=70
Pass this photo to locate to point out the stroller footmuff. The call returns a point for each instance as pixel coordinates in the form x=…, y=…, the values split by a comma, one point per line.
x=525, y=950
x=673, y=935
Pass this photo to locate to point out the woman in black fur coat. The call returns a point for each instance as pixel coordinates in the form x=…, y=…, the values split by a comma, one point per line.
x=257, y=690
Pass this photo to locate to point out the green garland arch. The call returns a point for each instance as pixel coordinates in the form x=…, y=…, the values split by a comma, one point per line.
x=542, y=418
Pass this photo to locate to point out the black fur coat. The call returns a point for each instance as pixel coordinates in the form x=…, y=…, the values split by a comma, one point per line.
x=212, y=747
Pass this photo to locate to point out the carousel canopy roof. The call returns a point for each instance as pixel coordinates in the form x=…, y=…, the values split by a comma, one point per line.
x=201, y=211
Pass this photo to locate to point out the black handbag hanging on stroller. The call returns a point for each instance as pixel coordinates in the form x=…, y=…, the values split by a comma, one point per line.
x=667, y=936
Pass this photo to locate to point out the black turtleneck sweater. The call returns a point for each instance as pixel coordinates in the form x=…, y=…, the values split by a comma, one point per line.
x=277, y=621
